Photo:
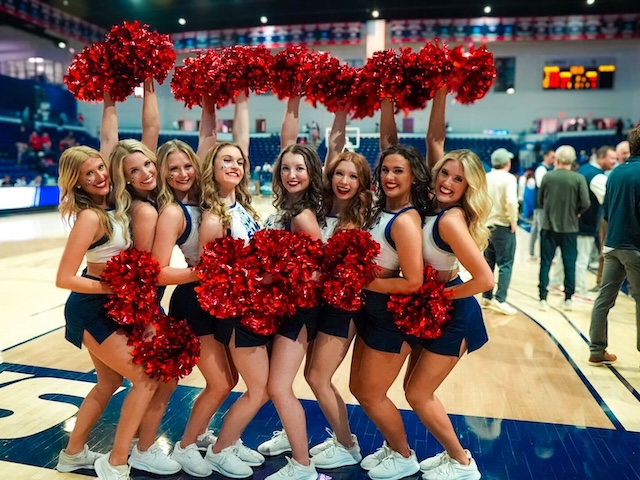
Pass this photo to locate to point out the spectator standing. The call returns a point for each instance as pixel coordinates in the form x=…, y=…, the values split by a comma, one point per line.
x=621, y=250
x=547, y=165
x=502, y=223
x=563, y=196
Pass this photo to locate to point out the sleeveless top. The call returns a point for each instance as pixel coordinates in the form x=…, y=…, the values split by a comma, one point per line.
x=243, y=225
x=381, y=233
x=105, y=248
x=275, y=222
x=435, y=251
x=189, y=241
x=329, y=227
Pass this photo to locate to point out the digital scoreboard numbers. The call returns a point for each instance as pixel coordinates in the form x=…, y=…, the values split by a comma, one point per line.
x=578, y=77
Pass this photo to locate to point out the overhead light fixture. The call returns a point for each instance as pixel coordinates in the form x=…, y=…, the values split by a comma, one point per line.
x=263, y=19
x=61, y=44
x=375, y=14
x=487, y=9
x=510, y=91
x=591, y=2
x=35, y=59
x=182, y=21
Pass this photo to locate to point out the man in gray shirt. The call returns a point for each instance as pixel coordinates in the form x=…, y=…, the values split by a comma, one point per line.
x=563, y=196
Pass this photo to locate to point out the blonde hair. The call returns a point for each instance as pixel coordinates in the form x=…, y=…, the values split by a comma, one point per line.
x=475, y=201
x=123, y=194
x=166, y=195
x=358, y=212
x=73, y=199
x=312, y=196
x=210, y=200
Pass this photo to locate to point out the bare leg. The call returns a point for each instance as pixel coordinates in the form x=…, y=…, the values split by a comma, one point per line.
x=93, y=405
x=286, y=359
x=327, y=355
x=370, y=387
x=430, y=371
x=153, y=417
x=253, y=364
x=220, y=377
x=116, y=354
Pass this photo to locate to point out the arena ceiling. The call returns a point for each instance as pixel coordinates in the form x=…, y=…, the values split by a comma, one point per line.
x=163, y=15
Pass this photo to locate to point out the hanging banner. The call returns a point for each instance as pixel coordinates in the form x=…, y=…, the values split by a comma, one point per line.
x=486, y=29
x=281, y=36
x=50, y=18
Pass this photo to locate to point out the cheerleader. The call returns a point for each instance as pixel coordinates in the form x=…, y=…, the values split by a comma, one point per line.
x=402, y=182
x=455, y=234
x=98, y=233
x=347, y=204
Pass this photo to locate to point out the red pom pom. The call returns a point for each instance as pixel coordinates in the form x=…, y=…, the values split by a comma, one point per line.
x=87, y=74
x=347, y=267
x=132, y=275
x=171, y=353
x=474, y=73
x=331, y=83
x=191, y=81
x=424, y=313
x=292, y=72
x=224, y=285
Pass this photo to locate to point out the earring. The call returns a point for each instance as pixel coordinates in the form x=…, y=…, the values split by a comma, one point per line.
x=78, y=187
x=128, y=183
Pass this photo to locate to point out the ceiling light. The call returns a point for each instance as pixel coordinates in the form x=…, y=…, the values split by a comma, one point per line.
x=62, y=44
x=591, y=2
x=182, y=21
x=487, y=9
x=375, y=14
x=35, y=59
x=263, y=19
x=510, y=91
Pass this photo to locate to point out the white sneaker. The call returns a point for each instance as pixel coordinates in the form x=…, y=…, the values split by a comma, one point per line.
x=502, y=307
x=452, y=470
x=294, y=471
x=106, y=471
x=277, y=444
x=228, y=463
x=204, y=440
x=395, y=467
x=315, y=450
x=543, y=306
x=374, y=459
x=247, y=455
x=437, y=460
x=70, y=463
x=485, y=302
x=337, y=455
x=191, y=460
x=567, y=306
x=153, y=460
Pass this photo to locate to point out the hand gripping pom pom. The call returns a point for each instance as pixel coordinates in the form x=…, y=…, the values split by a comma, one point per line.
x=424, y=313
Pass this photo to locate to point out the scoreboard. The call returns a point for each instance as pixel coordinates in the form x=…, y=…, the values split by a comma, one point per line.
x=578, y=77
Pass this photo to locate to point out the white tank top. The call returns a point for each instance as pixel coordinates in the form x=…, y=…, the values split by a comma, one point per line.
x=435, y=251
x=105, y=248
x=329, y=227
x=243, y=225
x=381, y=233
x=189, y=241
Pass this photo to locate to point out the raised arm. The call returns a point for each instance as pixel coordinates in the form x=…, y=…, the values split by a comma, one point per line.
x=437, y=130
x=208, y=127
x=338, y=135
x=150, y=116
x=240, y=131
x=290, y=123
x=108, y=128
x=388, y=128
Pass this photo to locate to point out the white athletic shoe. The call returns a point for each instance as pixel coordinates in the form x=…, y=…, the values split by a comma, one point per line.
x=81, y=460
x=452, y=470
x=277, y=444
x=395, y=467
x=437, y=460
x=294, y=471
x=106, y=471
x=374, y=459
x=337, y=455
x=248, y=455
x=191, y=460
x=228, y=463
x=204, y=440
x=153, y=460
